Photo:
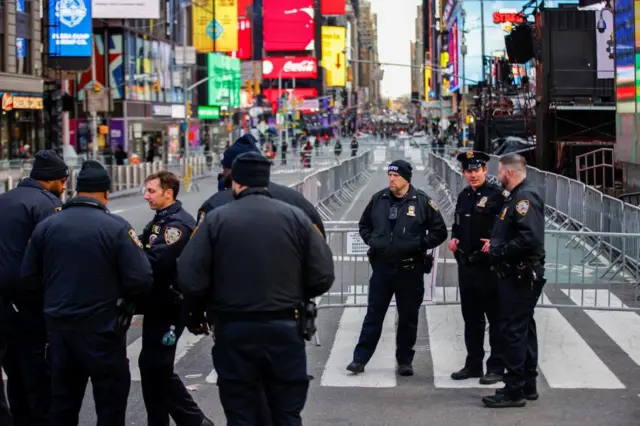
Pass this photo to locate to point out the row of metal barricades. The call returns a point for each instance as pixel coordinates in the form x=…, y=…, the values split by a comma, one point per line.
x=131, y=177
x=592, y=240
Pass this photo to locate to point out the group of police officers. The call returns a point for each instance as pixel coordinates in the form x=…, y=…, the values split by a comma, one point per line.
x=73, y=275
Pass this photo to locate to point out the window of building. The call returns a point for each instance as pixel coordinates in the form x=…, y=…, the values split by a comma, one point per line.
x=23, y=41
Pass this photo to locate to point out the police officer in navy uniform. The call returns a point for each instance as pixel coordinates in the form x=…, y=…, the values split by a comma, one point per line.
x=476, y=210
x=517, y=255
x=245, y=143
x=88, y=266
x=399, y=225
x=22, y=329
x=277, y=191
x=256, y=260
x=164, y=238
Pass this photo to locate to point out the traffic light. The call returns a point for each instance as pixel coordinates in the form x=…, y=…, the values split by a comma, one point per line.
x=189, y=110
x=611, y=47
x=256, y=87
x=156, y=86
x=53, y=108
x=331, y=103
x=248, y=86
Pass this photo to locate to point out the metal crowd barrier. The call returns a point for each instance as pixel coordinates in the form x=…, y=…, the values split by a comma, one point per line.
x=570, y=205
x=331, y=188
x=572, y=282
x=129, y=179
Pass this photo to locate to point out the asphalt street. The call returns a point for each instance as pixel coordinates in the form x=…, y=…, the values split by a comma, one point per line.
x=589, y=361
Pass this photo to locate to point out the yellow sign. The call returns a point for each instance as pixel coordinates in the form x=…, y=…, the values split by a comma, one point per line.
x=427, y=83
x=10, y=102
x=334, y=42
x=215, y=29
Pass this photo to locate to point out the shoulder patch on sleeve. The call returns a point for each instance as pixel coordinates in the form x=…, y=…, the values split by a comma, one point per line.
x=522, y=207
x=134, y=238
x=506, y=193
x=172, y=235
x=433, y=205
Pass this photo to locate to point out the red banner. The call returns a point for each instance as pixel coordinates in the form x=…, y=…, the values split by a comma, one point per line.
x=332, y=7
x=272, y=95
x=288, y=68
x=244, y=40
x=288, y=25
x=242, y=7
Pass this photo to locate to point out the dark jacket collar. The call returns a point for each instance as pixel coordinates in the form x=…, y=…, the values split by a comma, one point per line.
x=254, y=191
x=411, y=193
x=85, y=202
x=31, y=183
x=172, y=209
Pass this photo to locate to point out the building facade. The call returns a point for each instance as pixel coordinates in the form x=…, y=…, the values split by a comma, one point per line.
x=370, y=73
x=21, y=87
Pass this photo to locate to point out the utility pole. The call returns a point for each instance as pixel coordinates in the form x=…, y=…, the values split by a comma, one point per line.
x=184, y=80
x=487, y=99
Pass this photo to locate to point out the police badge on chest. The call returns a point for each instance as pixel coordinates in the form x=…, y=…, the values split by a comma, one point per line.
x=412, y=211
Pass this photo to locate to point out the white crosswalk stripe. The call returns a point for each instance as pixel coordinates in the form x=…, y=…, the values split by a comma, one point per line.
x=568, y=358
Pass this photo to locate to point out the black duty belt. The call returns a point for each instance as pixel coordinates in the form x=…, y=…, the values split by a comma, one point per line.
x=289, y=314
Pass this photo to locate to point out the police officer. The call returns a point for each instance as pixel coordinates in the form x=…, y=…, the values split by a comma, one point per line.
x=256, y=260
x=354, y=146
x=21, y=320
x=517, y=253
x=476, y=210
x=393, y=225
x=244, y=143
x=164, y=238
x=277, y=191
x=88, y=266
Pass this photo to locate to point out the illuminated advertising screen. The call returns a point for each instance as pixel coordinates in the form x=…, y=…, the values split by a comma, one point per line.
x=288, y=25
x=70, y=31
x=244, y=40
x=625, y=57
x=332, y=7
x=215, y=26
x=288, y=68
x=272, y=95
x=454, y=57
x=225, y=80
x=334, y=43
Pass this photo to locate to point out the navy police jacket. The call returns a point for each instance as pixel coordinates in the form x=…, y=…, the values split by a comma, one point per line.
x=418, y=227
x=163, y=239
x=22, y=209
x=518, y=233
x=278, y=192
x=83, y=259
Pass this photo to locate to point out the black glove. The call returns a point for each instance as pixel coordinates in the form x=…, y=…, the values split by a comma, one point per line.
x=197, y=323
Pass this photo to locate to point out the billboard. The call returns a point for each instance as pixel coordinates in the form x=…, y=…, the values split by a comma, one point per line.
x=290, y=67
x=272, y=95
x=225, y=80
x=288, y=25
x=454, y=58
x=625, y=57
x=244, y=40
x=70, y=32
x=126, y=9
x=332, y=7
x=215, y=25
x=334, y=41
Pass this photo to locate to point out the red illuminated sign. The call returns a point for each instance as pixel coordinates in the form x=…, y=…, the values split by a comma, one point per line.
x=287, y=68
x=332, y=7
x=288, y=25
x=244, y=40
x=242, y=7
x=272, y=95
x=503, y=18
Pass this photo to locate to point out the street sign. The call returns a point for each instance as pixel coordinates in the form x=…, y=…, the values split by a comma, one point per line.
x=97, y=101
x=185, y=55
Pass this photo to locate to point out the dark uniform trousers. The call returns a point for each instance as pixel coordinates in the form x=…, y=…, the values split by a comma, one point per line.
x=250, y=355
x=408, y=287
x=518, y=328
x=28, y=375
x=162, y=389
x=77, y=356
x=479, y=297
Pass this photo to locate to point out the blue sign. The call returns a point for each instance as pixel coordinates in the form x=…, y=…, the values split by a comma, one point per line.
x=20, y=50
x=70, y=31
x=215, y=29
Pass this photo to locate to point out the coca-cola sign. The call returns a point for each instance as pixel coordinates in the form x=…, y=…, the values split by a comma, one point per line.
x=288, y=68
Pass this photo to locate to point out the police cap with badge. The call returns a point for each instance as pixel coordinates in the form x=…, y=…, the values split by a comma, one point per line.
x=473, y=160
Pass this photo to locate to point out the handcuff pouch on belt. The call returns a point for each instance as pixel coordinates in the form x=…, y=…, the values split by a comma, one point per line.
x=422, y=261
x=306, y=315
x=475, y=258
x=126, y=310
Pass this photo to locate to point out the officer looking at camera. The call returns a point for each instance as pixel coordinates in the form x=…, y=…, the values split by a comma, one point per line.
x=476, y=210
x=399, y=225
x=22, y=328
x=517, y=254
x=256, y=261
x=163, y=239
x=87, y=266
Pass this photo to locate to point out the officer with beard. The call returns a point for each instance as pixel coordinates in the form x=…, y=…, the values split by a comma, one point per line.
x=22, y=330
x=517, y=254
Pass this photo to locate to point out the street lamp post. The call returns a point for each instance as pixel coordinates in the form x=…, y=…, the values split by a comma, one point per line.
x=184, y=80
